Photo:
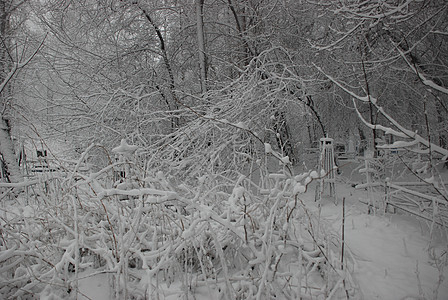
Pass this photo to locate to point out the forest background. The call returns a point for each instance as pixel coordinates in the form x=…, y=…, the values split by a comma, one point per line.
x=213, y=88
x=165, y=74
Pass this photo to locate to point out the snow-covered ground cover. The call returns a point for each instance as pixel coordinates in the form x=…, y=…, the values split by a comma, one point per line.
x=90, y=236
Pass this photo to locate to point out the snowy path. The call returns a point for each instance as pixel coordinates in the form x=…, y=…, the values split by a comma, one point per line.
x=391, y=252
x=393, y=262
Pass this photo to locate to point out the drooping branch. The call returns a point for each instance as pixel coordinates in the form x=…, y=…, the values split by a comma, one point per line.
x=422, y=77
x=403, y=132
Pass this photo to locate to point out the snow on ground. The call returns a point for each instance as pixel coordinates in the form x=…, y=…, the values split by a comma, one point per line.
x=392, y=261
x=94, y=287
x=392, y=252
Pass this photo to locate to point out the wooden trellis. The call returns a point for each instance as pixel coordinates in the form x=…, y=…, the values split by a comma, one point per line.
x=327, y=167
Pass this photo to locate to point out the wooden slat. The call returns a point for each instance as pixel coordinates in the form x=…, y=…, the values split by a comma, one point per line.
x=418, y=194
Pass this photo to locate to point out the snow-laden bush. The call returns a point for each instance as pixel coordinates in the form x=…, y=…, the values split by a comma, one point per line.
x=229, y=238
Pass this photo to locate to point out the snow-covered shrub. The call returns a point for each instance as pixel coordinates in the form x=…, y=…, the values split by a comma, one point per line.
x=230, y=238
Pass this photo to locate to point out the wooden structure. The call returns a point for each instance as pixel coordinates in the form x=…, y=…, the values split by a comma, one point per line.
x=327, y=166
x=425, y=200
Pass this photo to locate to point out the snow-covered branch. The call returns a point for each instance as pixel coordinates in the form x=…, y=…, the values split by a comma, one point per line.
x=376, y=10
x=422, y=77
x=400, y=130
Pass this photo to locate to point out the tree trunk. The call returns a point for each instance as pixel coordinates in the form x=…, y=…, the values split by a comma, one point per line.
x=9, y=163
x=442, y=123
x=201, y=44
x=12, y=171
x=283, y=136
x=363, y=142
x=247, y=52
x=173, y=104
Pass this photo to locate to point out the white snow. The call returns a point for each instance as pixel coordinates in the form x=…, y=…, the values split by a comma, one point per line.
x=285, y=160
x=314, y=175
x=241, y=125
x=392, y=252
x=125, y=148
x=399, y=144
x=307, y=180
x=267, y=148
x=389, y=251
x=299, y=188
x=94, y=286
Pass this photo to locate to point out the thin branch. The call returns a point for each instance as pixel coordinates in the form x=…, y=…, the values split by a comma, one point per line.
x=20, y=65
x=335, y=43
